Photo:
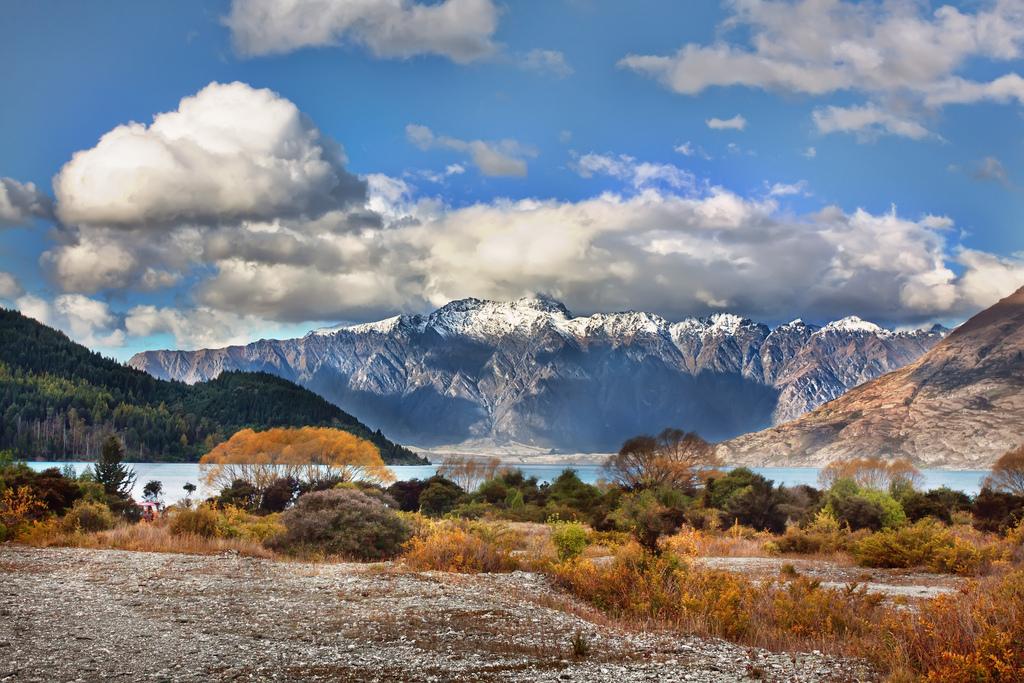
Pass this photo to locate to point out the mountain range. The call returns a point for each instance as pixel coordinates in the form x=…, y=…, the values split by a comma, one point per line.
x=59, y=400
x=959, y=405
x=529, y=372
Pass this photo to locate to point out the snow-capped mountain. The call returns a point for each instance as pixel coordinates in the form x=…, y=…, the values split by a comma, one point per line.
x=529, y=371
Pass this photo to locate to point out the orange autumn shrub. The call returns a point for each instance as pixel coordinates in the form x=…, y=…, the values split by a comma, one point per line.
x=782, y=613
x=451, y=546
x=974, y=635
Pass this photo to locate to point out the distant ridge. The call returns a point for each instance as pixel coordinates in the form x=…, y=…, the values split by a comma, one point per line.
x=959, y=405
x=528, y=371
x=58, y=400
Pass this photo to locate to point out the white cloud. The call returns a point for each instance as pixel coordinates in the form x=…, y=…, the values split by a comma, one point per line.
x=867, y=121
x=22, y=202
x=810, y=153
x=548, y=62
x=10, y=289
x=87, y=321
x=655, y=249
x=638, y=174
x=937, y=222
x=688, y=149
x=460, y=30
x=887, y=50
x=228, y=153
x=195, y=328
x=787, y=189
x=492, y=158
x=735, y=123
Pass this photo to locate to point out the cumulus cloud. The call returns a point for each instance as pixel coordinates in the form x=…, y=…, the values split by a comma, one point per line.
x=638, y=174
x=867, y=121
x=883, y=49
x=195, y=328
x=22, y=202
x=461, y=30
x=87, y=321
x=677, y=252
x=10, y=289
x=230, y=152
x=492, y=158
x=547, y=62
x=735, y=123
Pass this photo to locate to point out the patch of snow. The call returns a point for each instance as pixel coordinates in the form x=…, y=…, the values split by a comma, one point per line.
x=854, y=325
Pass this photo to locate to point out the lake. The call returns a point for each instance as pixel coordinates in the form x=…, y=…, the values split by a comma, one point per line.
x=175, y=475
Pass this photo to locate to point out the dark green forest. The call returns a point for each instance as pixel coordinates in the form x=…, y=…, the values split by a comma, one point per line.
x=59, y=400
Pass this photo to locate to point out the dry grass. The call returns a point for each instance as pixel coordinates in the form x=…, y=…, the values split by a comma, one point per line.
x=154, y=538
x=973, y=635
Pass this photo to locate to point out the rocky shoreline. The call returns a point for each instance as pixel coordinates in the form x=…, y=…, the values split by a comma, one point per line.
x=89, y=615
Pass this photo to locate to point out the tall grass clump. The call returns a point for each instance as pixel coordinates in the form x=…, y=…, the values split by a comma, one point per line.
x=458, y=546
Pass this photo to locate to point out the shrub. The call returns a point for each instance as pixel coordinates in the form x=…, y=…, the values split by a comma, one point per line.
x=645, y=515
x=236, y=523
x=87, y=516
x=939, y=503
x=18, y=508
x=997, y=511
x=407, y=494
x=439, y=497
x=861, y=508
x=775, y=613
x=570, y=491
x=570, y=539
x=344, y=522
x=823, y=535
x=924, y=544
x=453, y=546
x=972, y=635
x=202, y=521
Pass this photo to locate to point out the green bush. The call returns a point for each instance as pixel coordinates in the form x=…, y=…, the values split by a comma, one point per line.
x=862, y=508
x=87, y=516
x=439, y=497
x=570, y=539
x=650, y=514
x=344, y=522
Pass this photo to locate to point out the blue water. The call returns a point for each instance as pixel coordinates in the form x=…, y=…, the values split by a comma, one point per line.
x=175, y=475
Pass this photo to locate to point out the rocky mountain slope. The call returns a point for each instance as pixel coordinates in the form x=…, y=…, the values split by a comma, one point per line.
x=59, y=400
x=959, y=405
x=528, y=371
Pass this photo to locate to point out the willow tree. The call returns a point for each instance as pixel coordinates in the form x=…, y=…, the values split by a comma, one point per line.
x=307, y=454
x=872, y=473
x=1008, y=473
x=674, y=458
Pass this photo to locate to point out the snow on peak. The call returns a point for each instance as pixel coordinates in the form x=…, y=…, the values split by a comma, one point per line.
x=855, y=325
x=615, y=325
x=726, y=323
x=481, y=318
x=386, y=326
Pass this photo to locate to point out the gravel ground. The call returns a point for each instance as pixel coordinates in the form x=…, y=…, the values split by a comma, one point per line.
x=94, y=615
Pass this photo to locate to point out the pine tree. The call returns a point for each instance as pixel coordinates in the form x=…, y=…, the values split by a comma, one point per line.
x=110, y=470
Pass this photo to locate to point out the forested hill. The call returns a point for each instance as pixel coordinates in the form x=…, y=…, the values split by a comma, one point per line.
x=58, y=400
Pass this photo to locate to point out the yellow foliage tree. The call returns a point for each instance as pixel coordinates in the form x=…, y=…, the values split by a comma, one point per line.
x=305, y=453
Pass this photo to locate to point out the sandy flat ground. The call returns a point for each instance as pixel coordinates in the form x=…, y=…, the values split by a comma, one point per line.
x=98, y=615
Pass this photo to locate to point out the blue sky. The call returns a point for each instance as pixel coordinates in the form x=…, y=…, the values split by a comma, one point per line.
x=870, y=161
